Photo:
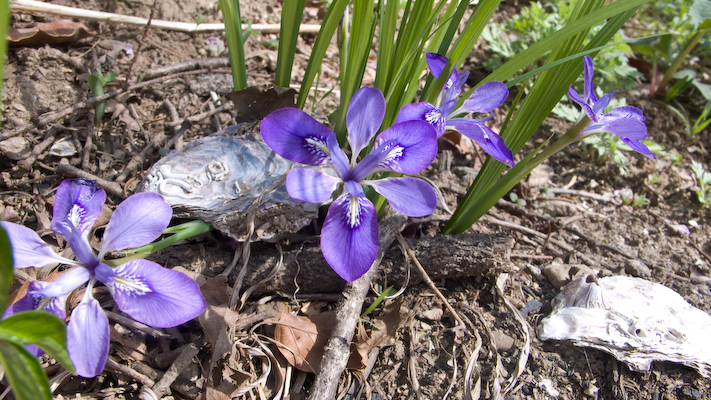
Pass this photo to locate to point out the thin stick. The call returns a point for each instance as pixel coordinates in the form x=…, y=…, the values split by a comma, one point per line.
x=38, y=7
x=348, y=312
x=186, y=357
x=140, y=43
x=70, y=171
x=429, y=282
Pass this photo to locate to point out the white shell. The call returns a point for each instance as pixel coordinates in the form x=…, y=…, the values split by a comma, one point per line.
x=63, y=149
x=635, y=320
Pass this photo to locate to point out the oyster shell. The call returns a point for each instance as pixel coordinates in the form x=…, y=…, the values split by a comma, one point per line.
x=635, y=320
x=217, y=178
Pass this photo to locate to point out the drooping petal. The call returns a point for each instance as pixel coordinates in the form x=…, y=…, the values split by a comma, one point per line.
x=423, y=112
x=588, y=91
x=624, y=112
x=137, y=221
x=311, y=186
x=365, y=114
x=68, y=281
x=88, y=337
x=33, y=300
x=407, y=195
x=156, y=296
x=625, y=128
x=28, y=250
x=489, y=141
x=411, y=146
x=349, y=237
x=639, y=147
x=77, y=204
x=296, y=136
x=487, y=97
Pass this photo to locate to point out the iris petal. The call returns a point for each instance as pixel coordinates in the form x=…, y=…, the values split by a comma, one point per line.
x=296, y=136
x=412, y=146
x=407, y=195
x=77, y=204
x=28, y=250
x=489, y=141
x=423, y=112
x=137, y=221
x=365, y=114
x=582, y=103
x=626, y=128
x=310, y=185
x=588, y=91
x=156, y=296
x=349, y=237
x=487, y=97
x=639, y=147
x=88, y=337
x=68, y=281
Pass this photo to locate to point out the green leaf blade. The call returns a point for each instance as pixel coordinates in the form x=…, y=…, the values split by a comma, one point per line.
x=24, y=372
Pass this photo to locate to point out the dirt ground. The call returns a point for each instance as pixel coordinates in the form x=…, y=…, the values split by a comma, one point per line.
x=572, y=204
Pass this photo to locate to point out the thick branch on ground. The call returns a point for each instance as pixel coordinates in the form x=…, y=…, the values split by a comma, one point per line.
x=443, y=256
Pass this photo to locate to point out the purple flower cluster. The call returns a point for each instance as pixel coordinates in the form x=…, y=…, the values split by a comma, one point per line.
x=349, y=237
x=625, y=122
x=443, y=116
x=144, y=290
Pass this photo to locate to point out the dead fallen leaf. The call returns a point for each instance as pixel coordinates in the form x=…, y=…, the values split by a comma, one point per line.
x=255, y=104
x=57, y=31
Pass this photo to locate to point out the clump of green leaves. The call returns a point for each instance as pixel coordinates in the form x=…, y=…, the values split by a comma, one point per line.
x=97, y=82
x=703, y=180
x=22, y=369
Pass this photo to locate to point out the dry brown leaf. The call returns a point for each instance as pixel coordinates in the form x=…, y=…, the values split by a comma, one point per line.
x=57, y=31
x=216, y=290
x=255, y=104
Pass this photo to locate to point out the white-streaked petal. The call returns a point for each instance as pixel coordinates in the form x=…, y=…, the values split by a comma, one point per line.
x=28, y=250
x=77, y=204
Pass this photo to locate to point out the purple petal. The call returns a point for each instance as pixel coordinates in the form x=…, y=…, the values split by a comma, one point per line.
x=28, y=250
x=624, y=112
x=600, y=105
x=156, y=296
x=489, y=141
x=588, y=91
x=77, y=204
x=411, y=146
x=104, y=274
x=365, y=114
x=338, y=158
x=88, y=337
x=296, y=136
x=349, y=237
x=640, y=148
x=137, y=221
x=33, y=300
x=311, y=186
x=423, y=112
x=487, y=97
x=626, y=128
x=354, y=189
x=436, y=63
x=407, y=195
x=68, y=281
x=576, y=98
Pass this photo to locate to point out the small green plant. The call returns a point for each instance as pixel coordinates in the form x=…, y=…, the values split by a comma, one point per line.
x=703, y=180
x=97, y=82
x=42, y=329
x=515, y=199
x=199, y=19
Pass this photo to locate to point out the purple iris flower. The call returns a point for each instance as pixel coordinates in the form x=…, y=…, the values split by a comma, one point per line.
x=625, y=122
x=144, y=290
x=443, y=116
x=349, y=237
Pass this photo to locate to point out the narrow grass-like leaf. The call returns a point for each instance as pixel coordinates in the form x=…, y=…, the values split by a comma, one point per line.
x=235, y=42
x=328, y=28
x=24, y=372
x=388, y=10
x=291, y=13
x=6, y=265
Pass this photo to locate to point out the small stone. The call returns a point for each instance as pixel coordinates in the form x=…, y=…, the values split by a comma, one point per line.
x=560, y=274
x=16, y=148
x=558, y=208
x=433, y=314
x=637, y=269
x=503, y=341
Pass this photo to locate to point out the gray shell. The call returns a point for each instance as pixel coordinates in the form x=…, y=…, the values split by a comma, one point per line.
x=217, y=178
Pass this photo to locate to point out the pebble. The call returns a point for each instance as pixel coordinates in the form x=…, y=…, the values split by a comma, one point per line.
x=503, y=341
x=558, y=208
x=560, y=274
x=16, y=148
x=637, y=269
x=433, y=314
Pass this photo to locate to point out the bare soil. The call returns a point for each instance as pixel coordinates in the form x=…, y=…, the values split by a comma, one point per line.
x=422, y=351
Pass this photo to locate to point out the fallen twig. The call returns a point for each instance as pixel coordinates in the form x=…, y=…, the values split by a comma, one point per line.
x=186, y=357
x=38, y=7
x=348, y=312
x=69, y=171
